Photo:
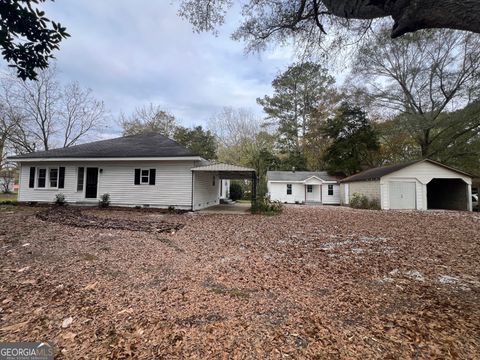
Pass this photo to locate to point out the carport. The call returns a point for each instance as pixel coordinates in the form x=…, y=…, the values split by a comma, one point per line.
x=223, y=172
x=448, y=194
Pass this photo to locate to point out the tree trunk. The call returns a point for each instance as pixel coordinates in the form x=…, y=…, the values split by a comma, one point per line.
x=412, y=15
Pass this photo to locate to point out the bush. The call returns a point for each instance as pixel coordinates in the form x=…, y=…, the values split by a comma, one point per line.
x=236, y=191
x=104, y=201
x=360, y=201
x=60, y=199
x=265, y=206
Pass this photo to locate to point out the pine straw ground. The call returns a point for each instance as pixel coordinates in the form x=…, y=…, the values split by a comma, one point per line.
x=314, y=282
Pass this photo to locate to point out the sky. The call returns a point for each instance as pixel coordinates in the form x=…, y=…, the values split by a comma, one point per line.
x=132, y=53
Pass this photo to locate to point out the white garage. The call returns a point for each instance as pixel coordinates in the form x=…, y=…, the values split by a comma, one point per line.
x=420, y=185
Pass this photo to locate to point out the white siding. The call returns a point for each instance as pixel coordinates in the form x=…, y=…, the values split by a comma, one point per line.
x=278, y=192
x=173, y=186
x=331, y=199
x=205, y=194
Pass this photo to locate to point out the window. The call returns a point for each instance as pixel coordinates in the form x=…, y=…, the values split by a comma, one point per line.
x=80, y=176
x=213, y=181
x=42, y=178
x=145, y=176
x=53, y=178
x=289, y=189
x=310, y=188
x=330, y=190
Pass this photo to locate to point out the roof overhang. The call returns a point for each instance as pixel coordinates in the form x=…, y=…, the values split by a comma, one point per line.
x=226, y=171
x=122, y=159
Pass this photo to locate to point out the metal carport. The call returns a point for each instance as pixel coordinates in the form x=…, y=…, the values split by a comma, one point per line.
x=226, y=172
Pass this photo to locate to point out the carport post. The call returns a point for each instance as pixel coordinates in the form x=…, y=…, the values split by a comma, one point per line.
x=254, y=187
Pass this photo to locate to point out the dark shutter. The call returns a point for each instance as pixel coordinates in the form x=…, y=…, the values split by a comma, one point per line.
x=61, y=177
x=152, y=176
x=31, y=181
x=137, y=176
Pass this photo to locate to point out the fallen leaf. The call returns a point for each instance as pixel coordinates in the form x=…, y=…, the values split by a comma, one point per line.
x=14, y=327
x=67, y=322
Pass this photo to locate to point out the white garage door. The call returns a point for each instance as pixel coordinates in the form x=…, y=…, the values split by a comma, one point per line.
x=402, y=195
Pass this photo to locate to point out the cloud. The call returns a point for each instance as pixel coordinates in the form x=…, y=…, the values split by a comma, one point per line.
x=132, y=53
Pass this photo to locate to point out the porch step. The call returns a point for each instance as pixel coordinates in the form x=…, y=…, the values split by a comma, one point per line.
x=227, y=201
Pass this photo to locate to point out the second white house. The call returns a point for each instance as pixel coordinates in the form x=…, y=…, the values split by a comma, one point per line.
x=303, y=187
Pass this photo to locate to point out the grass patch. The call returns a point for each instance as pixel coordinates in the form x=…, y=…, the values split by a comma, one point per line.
x=89, y=257
x=8, y=197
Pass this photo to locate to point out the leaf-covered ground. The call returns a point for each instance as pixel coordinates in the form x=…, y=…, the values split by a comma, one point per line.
x=313, y=282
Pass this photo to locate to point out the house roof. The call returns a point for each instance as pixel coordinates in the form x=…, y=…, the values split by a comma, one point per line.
x=379, y=172
x=149, y=145
x=298, y=175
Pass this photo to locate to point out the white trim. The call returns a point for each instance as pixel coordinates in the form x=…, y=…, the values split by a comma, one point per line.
x=189, y=158
x=303, y=182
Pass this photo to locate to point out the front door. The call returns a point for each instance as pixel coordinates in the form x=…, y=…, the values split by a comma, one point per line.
x=91, y=183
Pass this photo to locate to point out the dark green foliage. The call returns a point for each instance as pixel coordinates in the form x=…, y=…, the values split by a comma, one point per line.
x=104, y=201
x=360, y=201
x=60, y=199
x=27, y=37
x=354, y=141
x=298, y=94
x=236, y=191
x=263, y=205
x=198, y=140
x=8, y=202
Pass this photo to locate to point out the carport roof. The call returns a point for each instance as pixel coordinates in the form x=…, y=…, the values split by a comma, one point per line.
x=379, y=172
x=227, y=171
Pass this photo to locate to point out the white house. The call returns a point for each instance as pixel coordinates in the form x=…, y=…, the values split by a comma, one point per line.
x=303, y=187
x=420, y=185
x=147, y=170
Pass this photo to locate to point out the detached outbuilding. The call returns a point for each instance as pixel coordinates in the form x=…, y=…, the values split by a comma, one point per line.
x=420, y=185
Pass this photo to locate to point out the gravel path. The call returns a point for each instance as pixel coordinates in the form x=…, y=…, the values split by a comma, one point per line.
x=313, y=282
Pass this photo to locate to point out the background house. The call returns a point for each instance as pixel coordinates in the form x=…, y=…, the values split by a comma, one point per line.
x=303, y=187
x=419, y=185
x=139, y=170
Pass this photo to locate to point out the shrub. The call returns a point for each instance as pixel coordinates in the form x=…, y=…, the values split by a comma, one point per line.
x=104, y=201
x=360, y=201
x=265, y=206
x=236, y=191
x=60, y=199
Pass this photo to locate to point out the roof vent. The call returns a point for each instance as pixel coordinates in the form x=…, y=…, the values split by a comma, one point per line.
x=293, y=169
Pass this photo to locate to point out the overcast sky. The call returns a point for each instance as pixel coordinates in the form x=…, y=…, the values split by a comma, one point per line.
x=132, y=53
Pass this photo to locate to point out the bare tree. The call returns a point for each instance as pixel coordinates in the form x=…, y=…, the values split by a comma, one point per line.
x=420, y=77
x=7, y=179
x=48, y=114
x=80, y=113
x=306, y=21
x=233, y=126
x=151, y=118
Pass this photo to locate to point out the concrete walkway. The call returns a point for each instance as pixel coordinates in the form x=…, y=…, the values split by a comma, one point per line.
x=237, y=209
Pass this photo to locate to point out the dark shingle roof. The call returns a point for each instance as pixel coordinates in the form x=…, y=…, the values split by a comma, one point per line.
x=134, y=146
x=377, y=173
x=298, y=175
